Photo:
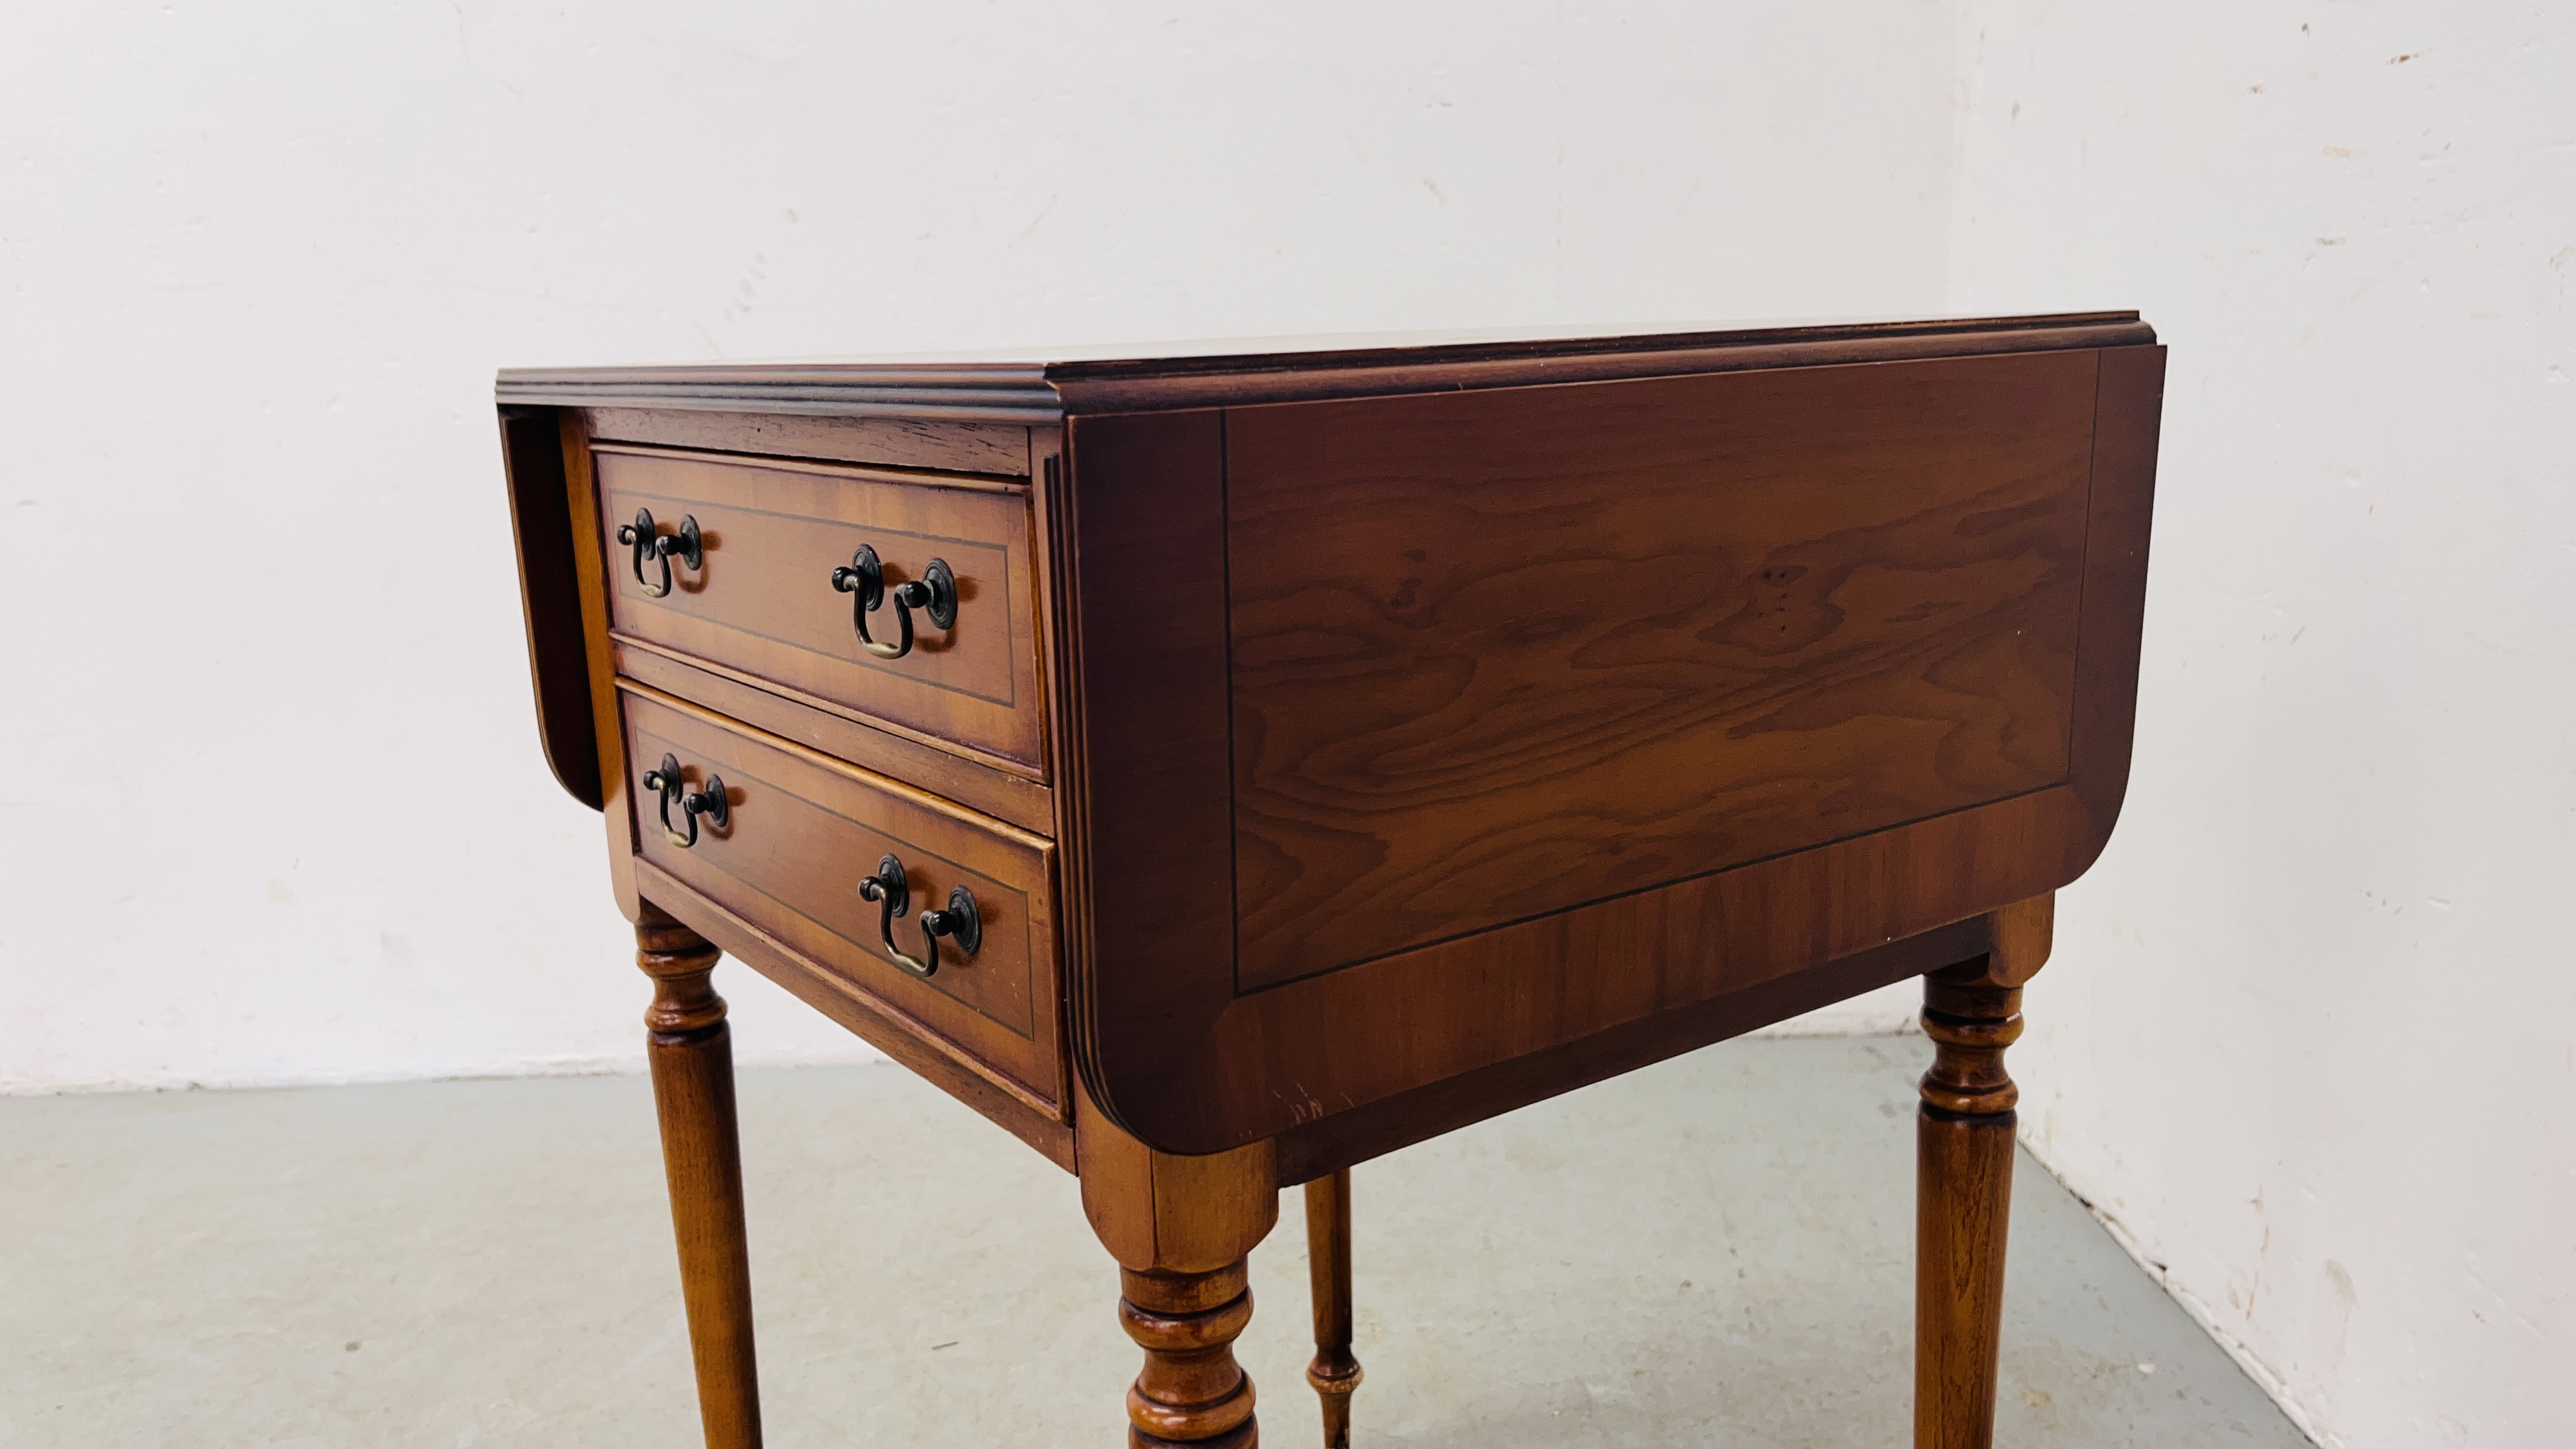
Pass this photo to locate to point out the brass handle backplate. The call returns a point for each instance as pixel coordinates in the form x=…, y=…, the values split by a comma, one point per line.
x=961, y=922
x=863, y=578
x=640, y=537
x=709, y=802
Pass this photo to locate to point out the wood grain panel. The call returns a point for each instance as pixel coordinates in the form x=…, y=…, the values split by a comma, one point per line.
x=805, y=830
x=1140, y=589
x=550, y=597
x=608, y=730
x=979, y=787
x=1354, y=368
x=2129, y=411
x=762, y=606
x=1499, y=655
x=1318, y=1049
x=1042, y=1124
x=1420, y=1113
x=891, y=442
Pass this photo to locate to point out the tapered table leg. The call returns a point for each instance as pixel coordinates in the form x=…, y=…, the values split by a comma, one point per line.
x=691, y=1052
x=1963, y=1201
x=1334, y=1373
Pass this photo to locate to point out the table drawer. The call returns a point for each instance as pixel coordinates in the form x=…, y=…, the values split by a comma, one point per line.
x=797, y=834
x=762, y=600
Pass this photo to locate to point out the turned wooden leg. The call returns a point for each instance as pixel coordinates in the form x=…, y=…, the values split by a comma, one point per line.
x=1191, y=1390
x=1334, y=1373
x=1963, y=1181
x=1182, y=1229
x=691, y=1052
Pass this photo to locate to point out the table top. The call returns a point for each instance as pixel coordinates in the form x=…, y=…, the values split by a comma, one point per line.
x=1040, y=384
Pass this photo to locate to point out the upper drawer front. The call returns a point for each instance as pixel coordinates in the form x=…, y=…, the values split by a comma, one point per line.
x=800, y=832
x=761, y=601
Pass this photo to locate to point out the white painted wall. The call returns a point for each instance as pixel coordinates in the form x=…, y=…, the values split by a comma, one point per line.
x=273, y=805
x=2310, y=1036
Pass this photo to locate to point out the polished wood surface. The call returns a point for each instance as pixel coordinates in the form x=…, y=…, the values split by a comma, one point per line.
x=1148, y=847
x=1195, y=1048
x=762, y=605
x=1333, y=1374
x=1026, y=803
x=1963, y=1203
x=997, y=449
x=1035, y=1119
x=1181, y=1229
x=690, y=1050
x=1364, y=367
x=588, y=568
x=1422, y=1113
x=1350, y=742
x=805, y=830
x=1191, y=1390
x=2128, y=410
x=1492, y=664
x=532, y=455
x=1037, y=391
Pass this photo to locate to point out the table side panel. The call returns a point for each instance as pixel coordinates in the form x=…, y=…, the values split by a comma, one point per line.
x=608, y=725
x=1496, y=655
x=1147, y=832
x=541, y=525
x=2127, y=418
x=1446, y=1104
x=1348, y=1039
x=1356, y=1059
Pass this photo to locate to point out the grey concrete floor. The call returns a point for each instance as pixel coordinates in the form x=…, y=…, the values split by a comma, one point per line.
x=1712, y=1252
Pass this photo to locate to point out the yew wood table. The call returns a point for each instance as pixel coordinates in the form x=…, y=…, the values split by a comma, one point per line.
x=1219, y=769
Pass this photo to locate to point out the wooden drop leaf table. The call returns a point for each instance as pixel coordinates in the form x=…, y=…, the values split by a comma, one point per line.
x=1222, y=767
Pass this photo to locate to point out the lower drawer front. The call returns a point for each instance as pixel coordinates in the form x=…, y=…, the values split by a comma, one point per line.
x=800, y=831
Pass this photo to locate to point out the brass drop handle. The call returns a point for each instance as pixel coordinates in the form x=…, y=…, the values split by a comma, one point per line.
x=960, y=923
x=709, y=802
x=640, y=537
x=934, y=593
